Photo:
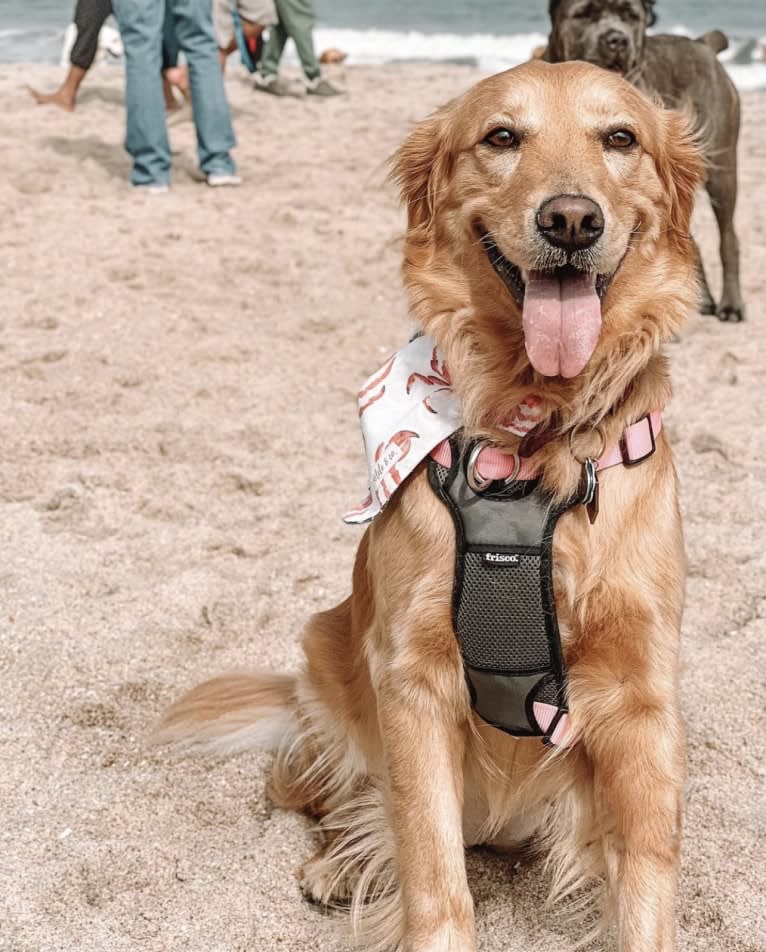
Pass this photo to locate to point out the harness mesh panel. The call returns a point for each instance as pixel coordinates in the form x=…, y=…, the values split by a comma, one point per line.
x=504, y=615
x=491, y=638
x=549, y=692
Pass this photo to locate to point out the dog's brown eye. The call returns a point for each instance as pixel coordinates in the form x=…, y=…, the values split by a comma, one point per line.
x=502, y=138
x=620, y=139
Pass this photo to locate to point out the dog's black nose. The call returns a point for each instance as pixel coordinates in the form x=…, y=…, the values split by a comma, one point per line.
x=614, y=41
x=572, y=222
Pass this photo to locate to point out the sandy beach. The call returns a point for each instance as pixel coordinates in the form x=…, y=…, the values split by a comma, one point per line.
x=179, y=441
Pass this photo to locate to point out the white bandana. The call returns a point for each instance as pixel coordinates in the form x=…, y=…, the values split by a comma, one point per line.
x=406, y=409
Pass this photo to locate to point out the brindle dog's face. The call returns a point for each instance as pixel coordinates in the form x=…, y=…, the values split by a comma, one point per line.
x=608, y=33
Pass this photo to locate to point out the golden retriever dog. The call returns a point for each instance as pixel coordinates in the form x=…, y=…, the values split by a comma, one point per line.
x=573, y=177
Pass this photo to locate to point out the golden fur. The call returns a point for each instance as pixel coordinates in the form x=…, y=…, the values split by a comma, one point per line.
x=375, y=735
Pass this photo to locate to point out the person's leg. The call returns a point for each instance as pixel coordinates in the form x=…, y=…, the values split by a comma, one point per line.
x=141, y=23
x=89, y=17
x=267, y=78
x=297, y=18
x=65, y=97
x=215, y=135
x=272, y=51
x=170, y=45
x=173, y=75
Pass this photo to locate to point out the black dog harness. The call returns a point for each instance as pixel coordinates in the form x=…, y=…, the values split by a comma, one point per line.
x=503, y=607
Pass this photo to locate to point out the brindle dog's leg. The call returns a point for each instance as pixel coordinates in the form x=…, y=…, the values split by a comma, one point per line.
x=722, y=188
x=707, y=302
x=424, y=746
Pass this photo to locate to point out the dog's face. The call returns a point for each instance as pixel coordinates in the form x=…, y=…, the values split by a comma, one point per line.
x=607, y=33
x=535, y=195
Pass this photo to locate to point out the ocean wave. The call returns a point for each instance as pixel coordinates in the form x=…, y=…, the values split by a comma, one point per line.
x=492, y=52
x=485, y=50
x=488, y=51
x=748, y=77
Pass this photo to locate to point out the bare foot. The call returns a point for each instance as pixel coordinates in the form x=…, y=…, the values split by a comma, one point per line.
x=60, y=98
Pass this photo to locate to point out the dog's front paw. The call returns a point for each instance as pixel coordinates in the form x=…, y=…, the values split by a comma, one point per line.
x=322, y=882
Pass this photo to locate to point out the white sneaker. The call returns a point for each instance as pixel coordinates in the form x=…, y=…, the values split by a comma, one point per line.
x=223, y=180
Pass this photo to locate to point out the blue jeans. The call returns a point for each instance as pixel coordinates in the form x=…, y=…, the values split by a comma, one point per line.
x=141, y=25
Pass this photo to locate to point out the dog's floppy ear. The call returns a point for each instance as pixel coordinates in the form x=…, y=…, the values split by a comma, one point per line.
x=421, y=168
x=552, y=52
x=651, y=15
x=681, y=170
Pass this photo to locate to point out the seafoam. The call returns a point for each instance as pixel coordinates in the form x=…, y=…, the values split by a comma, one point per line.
x=492, y=53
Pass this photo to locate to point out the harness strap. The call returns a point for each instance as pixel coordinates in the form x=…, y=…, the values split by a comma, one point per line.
x=638, y=442
x=561, y=732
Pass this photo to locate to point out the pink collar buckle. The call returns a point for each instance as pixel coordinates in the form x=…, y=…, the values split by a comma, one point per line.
x=637, y=443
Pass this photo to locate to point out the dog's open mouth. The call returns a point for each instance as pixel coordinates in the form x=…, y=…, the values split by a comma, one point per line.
x=561, y=311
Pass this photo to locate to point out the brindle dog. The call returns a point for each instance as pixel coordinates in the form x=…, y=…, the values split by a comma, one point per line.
x=683, y=73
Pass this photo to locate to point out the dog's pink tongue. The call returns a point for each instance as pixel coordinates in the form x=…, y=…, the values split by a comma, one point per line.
x=562, y=321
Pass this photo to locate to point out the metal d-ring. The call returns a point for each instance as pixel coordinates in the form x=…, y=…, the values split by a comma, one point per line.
x=516, y=469
x=579, y=429
x=475, y=480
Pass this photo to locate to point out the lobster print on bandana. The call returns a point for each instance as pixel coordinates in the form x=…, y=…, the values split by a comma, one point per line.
x=406, y=409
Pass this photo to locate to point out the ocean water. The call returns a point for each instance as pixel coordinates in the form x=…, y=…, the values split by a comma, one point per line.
x=493, y=34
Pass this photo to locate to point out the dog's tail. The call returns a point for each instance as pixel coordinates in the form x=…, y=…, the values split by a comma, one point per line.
x=315, y=767
x=233, y=713
x=717, y=40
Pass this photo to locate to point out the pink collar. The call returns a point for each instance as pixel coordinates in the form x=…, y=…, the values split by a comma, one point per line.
x=637, y=444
